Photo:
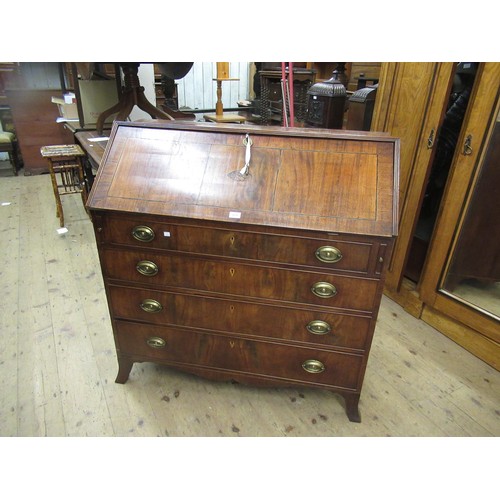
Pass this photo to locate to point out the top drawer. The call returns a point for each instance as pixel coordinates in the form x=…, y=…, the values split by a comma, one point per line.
x=333, y=254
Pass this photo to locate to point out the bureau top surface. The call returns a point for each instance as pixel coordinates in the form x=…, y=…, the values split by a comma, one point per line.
x=297, y=178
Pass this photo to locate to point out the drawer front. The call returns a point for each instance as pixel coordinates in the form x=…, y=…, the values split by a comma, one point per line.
x=331, y=254
x=288, y=363
x=240, y=279
x=260, y=320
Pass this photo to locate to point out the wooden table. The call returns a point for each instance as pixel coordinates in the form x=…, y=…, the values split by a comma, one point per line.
x=93, y=145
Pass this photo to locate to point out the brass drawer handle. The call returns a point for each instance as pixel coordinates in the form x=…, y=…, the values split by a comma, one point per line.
x=156, y=342
x=318, y=327
x=143, y=233
x=324, y=289
x=313, y=366
x=150, y=306
x=328, y=254
x=147, y=268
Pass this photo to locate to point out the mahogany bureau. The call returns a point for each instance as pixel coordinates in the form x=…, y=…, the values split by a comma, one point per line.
x=253, y=254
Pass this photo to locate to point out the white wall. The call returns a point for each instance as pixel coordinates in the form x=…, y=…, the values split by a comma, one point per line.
x=197, y=90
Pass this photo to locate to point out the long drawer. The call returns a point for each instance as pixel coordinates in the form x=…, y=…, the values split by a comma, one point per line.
x=272, y=360
x=244, y=280
x=334, y=254
x=240, y=317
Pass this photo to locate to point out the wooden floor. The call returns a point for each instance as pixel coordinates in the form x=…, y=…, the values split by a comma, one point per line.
x=57, y=361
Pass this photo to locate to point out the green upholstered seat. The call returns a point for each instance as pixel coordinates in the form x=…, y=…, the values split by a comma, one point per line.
x=8, y=144
x=6, y=137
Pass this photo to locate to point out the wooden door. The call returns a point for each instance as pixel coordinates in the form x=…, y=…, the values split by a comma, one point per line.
x=410, y=104
x=466, y=247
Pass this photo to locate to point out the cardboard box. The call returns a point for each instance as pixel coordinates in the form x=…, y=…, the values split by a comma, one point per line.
x=69, y=111
x=96, y=96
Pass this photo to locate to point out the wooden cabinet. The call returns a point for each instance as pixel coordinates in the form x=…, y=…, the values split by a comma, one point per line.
x=271, y=277
x=34, y=117
x=410, y=104
x=460, y=288
x=414, y=103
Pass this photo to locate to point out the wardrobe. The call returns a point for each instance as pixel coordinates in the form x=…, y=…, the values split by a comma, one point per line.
x=445, y=267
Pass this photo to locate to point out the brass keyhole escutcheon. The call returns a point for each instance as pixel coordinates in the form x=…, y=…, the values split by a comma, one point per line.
x=231, y=343
x=231, y=240
x=324, y=290
x=147, y=268
x=313, y=366
x=150, y=306
x=156, y=342
x=328, y=254
x=143, y=233
x=231, y=271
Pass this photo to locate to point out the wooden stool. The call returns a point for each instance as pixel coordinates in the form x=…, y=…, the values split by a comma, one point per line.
x=8, y=144
x=66, y=172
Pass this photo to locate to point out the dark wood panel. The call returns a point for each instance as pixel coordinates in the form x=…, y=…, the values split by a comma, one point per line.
x=34, y=117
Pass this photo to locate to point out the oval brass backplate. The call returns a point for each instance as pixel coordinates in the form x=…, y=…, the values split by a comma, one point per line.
x=143, y=233
x=328, y=254
x=318, y=327
x=156, y=342
x=150, y=306
x=324, y=290
x=147, y=268
x=313, y=366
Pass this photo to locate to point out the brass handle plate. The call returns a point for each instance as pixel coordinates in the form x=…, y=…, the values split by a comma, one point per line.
x=328, y=254
x=318, y=327
x=324, y=290
x=468, y=146
x=156, y=342
x=150, y=306
x=143, y=233
x=430, y=140
x=147, y=268
x=313, y=366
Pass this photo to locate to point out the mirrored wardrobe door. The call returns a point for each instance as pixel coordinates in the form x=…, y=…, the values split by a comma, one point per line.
x=460, y=286
x=473, y=268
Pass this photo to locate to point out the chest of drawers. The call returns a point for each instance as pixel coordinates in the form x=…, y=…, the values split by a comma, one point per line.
x=249, y=254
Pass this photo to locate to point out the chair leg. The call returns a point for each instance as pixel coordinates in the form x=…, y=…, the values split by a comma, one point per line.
x=15, y=157
x=59, y=208
x=12, y=162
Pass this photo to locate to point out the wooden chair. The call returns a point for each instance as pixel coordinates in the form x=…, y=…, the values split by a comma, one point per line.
x=8, y=144
x=66, y=172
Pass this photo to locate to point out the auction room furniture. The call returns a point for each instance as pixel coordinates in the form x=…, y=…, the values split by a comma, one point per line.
x=34, y=116
x=132, y=94
x=8, y=144
x=93, y=144
x=361, y=104
x=219, y=116
x=414, y=103
x=272, y=96
x=326, y=103
x=255, y=255
x=66, y=173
